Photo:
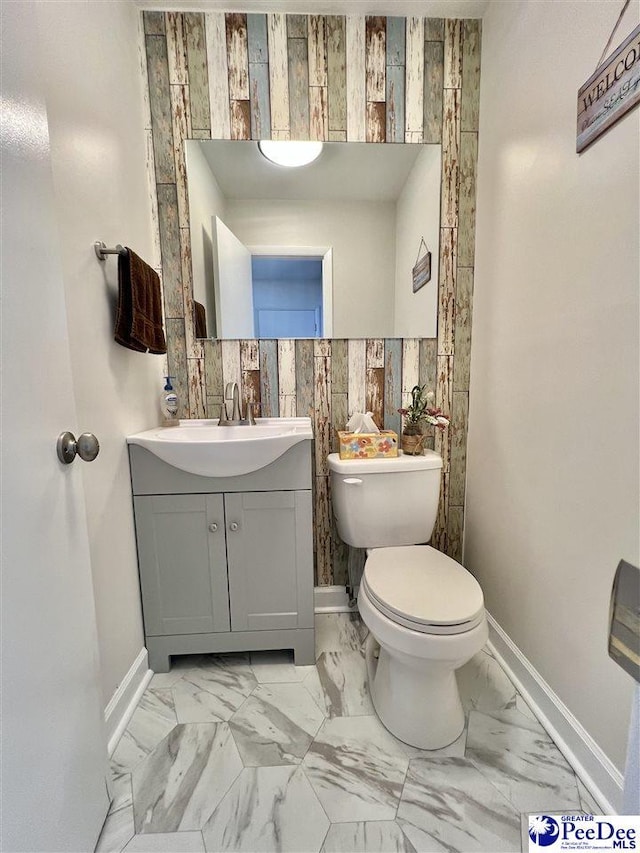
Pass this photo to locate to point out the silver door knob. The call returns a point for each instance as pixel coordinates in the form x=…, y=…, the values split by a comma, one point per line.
x=85, y=446
x=234, y=526
x=213, y=527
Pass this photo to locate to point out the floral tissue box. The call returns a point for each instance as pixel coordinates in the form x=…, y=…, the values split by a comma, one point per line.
x=367, y=445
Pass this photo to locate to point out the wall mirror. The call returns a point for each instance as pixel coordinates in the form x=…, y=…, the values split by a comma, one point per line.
x=323, y=250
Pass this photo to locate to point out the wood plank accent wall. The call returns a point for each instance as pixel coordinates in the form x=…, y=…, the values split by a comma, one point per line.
x=380, y=79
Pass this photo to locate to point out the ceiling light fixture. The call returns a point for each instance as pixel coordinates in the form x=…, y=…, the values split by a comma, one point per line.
x=291, y=154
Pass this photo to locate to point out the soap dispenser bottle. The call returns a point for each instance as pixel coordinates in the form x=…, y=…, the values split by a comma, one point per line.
x=169, y=404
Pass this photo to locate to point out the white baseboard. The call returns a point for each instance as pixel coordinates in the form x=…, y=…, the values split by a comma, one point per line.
x=124, y=701
x=331, y=599
x=599, y=775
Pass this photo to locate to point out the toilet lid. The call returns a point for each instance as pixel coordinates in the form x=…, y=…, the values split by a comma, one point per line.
x=423, y=589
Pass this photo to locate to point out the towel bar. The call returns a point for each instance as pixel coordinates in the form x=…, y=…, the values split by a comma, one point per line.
x=102, y=251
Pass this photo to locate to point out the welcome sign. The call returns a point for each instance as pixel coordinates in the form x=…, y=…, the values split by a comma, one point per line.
x=610, y=92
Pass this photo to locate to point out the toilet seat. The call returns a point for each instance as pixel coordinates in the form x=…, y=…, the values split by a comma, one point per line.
x=422, y=589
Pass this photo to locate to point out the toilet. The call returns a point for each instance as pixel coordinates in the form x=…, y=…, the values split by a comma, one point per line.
x=425, y=612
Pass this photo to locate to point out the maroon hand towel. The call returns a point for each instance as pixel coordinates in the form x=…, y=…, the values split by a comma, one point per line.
x=201, y=319
x=139, y=312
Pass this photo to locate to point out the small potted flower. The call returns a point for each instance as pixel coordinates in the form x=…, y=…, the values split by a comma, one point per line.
x=420, y=411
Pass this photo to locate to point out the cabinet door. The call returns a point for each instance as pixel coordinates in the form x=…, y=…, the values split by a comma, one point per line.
x=270, y=551
x=182, y=558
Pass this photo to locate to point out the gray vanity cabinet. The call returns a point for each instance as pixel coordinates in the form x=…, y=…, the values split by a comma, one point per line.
x=226, y=564
x=183, y=563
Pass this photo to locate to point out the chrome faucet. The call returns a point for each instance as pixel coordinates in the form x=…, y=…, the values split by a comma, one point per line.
x=232, y=393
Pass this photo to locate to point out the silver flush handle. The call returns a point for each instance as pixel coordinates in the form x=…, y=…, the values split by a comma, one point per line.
x=352, y=481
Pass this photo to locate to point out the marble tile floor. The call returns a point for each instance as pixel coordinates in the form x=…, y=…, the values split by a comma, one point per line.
x=250, y=753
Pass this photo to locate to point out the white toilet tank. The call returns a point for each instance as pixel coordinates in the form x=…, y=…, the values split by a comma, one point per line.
x=385, y=502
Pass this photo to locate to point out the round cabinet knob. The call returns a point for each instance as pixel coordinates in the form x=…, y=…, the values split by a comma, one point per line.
x=87, y=446
x=213, y=527
x=234, y=526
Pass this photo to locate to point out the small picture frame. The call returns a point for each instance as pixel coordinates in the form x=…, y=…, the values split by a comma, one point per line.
x=422, y=270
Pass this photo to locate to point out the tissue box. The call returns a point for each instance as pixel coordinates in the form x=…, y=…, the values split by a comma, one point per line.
x=367, y=445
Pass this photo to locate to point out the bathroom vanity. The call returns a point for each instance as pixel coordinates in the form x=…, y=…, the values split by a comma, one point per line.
x=226, y=563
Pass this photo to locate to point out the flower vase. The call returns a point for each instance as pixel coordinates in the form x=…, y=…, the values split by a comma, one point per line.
x=413, y=445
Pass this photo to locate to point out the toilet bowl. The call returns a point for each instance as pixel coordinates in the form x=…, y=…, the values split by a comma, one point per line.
x=425, y=612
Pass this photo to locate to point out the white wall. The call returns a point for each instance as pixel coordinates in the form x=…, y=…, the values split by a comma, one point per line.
x=417, y=216
x=362, y=235
x=96, y=120
x=552, y=484
x=205, y=201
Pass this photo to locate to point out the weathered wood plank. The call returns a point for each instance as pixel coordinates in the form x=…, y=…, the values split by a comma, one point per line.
x=392, y=384
x=317, y=38
x=395, y=103
x=251, y=391
x=177, y=363
x=297, y=26
x=318, y=113
x=213, y=405
x=194, y=346
x=414, y=97
x=375, y=394
x=198, y=72
x=439, y=536
x=153, y=23
x=340, y=551
x=467, y=199
x=249, y=354
x=376, y=121
x=257, y=40
x=375, y=352
x=434, y=29
x=141, y=46
x=447, y=290
x=336, y=73
x=269, y=378
x=458, y=427
x=237, y=56
x=171, y=254
x=181, y=114
x=298, y=88
x=444, y=394
x=216, y=38
x=375, y=57
x=339, y=366
x=427, y=368
x=337, y=136
x=450, y=159
x=464, y=302
x=322, y=531
x=471, y=75
x=214, y=384
x=356, y=99
x=339, y=417
x=156, y=257
x=278, y=72
x=357, y=375
x=322, y=347
x=396, y=41
x=410, y=368
x=195, y=372
x=452, y=53
x=240, y=114
x=259, y=100
x=455, y=527
x=231, y=371
x=304, y=378
x=322, y=412
x=160, y=103
x=286, y=368
x=176, y=49
x=433, y=81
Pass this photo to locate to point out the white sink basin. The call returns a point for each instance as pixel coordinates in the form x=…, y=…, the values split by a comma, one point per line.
x=205, y=448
